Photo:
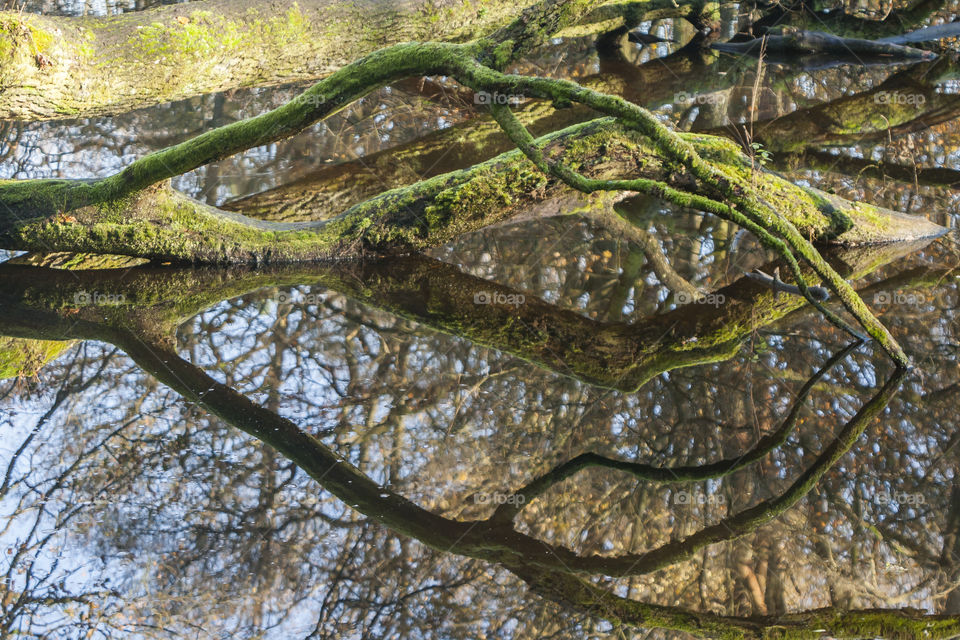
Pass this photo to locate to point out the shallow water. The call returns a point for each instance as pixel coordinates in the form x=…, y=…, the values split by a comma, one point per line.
x=129, y=510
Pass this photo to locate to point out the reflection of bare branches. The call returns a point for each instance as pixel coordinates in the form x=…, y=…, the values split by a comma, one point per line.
x=377, y=500
x=648, y=244
x=628, y=516
x=532, y=490
x=543, y=565
x=34, y=582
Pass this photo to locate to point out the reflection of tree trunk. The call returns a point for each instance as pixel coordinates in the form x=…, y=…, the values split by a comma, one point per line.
x=649, y=245
x=749, y=598
x=712, y=111
x=211, y=175
x=265, y=568
x=950, y=557
x=841, y=590
x=775, y=599
x=631, y=266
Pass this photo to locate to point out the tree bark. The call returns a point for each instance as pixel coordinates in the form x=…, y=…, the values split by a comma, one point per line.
x=161, y=224
x=56, y=67
x=65, y=67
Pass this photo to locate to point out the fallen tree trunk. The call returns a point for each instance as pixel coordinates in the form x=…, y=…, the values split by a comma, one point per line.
x=55, y=67
x=795, y=42
x=58, y=67
x=329, y=190
x=159, y=223
x=911, y=100
x=332, y=189
x=841, y=23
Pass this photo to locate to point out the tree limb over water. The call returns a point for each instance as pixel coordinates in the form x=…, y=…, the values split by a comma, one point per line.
x=135, y=213
x=132, y=213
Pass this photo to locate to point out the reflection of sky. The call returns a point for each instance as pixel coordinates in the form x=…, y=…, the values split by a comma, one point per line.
x=90, y=7
x=32, y=507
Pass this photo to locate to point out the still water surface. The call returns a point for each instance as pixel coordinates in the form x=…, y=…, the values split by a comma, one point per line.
x=129, y=510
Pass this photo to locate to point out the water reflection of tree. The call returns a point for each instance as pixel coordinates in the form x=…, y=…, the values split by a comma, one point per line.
x=250, y=532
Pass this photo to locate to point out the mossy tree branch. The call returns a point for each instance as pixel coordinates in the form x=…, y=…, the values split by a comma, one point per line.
x=757, y=216
x=519, y=134
x=712, y=190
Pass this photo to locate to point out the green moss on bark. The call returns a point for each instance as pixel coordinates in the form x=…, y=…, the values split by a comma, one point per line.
x=23, y=358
